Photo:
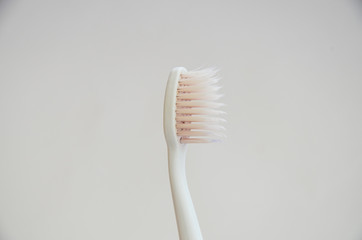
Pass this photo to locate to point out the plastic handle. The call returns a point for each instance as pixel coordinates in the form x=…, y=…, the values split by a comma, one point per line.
x=187, y=223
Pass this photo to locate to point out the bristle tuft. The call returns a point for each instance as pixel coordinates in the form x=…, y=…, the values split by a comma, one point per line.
x=198, y=119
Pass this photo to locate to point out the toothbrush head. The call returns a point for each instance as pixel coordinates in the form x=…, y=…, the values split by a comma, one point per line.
x=191, y=112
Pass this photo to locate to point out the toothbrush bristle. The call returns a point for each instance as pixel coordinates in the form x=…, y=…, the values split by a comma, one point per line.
x=198, y=119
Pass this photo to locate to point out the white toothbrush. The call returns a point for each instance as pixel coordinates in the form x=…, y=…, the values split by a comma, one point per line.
x=190, y=116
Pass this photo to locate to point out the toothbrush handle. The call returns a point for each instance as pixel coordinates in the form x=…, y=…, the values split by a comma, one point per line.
x=187, y=223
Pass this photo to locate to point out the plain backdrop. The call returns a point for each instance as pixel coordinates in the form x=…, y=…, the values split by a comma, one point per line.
x=82, y=153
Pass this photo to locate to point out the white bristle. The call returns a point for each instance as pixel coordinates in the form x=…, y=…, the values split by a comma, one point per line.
x=198, y=119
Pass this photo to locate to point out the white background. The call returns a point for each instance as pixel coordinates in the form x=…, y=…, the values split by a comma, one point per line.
x=82, y=153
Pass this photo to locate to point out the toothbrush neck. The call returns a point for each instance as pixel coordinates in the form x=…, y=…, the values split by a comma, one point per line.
x=187, y=223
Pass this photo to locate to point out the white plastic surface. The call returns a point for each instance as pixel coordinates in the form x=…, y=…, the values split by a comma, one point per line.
x=187, y=223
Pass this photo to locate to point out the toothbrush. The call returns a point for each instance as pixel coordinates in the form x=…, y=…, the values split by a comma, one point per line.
x=191, y=115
